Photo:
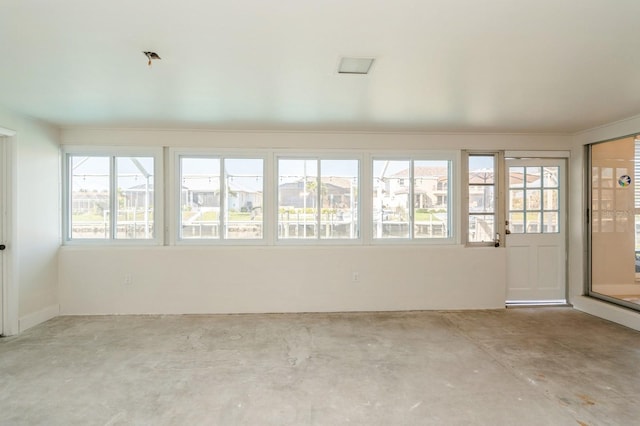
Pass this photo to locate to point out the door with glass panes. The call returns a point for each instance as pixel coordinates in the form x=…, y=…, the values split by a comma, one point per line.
x=535, y=230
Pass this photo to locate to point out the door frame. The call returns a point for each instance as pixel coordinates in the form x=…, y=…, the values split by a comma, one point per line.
x=565, y=156
x=8, y=283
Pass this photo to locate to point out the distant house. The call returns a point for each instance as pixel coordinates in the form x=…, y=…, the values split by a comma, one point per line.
x=479, y=198
x=336, y=192
x=203, y=192
x=89, y=202
x=139, y=196
x=243, y=198
x=478, y=179
x=429, y=191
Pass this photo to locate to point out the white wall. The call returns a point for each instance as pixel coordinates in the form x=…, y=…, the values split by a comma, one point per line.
x=578, y=230
x=278, y=279
x=178, y=279
x=35, y=237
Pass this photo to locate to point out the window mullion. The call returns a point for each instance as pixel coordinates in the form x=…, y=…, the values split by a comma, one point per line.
x=113, y=198
x=223, y=188
x=68, y=202
x=318, y=198
x=411, y=200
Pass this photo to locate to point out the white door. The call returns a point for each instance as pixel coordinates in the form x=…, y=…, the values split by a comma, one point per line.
x=2, y=221
x=536, y=231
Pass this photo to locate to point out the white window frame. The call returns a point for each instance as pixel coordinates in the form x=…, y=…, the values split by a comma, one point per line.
x=114, y=152
x=499, y=197
x=174, y=185
x=453, y=198
x=317, y=156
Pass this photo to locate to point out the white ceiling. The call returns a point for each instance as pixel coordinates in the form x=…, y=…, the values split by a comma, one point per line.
x=441, y=65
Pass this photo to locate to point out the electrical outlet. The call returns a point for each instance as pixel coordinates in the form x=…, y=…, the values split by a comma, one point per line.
x=127, y=279
x=355, y=277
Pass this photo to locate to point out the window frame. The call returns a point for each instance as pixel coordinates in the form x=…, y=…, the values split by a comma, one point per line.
x=113, y=153
x=453, y=196
x=499, y=197
x=167, y=209
x=318, y=157
x=174, y=210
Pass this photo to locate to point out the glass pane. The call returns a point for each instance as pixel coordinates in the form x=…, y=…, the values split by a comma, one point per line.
x=533, y=225
x=481, y=169
x=430, y=198
x=134, y=180
x=200, y=198
x=533, y=176
x=297, y=198
x=481, y=228
x=595, y=177
x=550, y=221
x=516, y=177
x=481, y=199
x=606, y=180
x=391, y=204
x=550, y=199
x=551, y=177
x=339, y=198
x=516, y=199
x=595, y=221
x=243, y=202
x=89, y=197
x=606, y=200
x=621, y=171
x=637, y=233
x=534, y=198
x=516, y=222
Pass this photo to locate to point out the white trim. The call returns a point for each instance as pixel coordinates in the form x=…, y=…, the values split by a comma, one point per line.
x=537, y=154
x=608, y=311
x=38, y=317
x=175, y=194
x=454, y=197
x=318, y=157
x=169, y=233
x=114, y=152
x=498, y=187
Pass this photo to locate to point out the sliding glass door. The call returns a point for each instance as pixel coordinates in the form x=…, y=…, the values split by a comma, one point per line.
x=614, y=221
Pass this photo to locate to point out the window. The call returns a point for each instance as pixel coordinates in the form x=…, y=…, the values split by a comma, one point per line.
x=221, y=198
x=482, y=198
x=116, y=193
x=411, y=199
x=111, y=197
x=533, y=200
x=318, y=198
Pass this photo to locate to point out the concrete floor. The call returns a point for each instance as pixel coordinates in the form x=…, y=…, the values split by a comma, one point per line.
x=543, y=366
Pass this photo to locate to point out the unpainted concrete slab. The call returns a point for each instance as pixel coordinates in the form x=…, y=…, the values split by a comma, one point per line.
x=523, y=366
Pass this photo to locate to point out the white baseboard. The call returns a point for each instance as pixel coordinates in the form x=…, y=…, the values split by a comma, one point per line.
x=608, y=311
x=35, y=318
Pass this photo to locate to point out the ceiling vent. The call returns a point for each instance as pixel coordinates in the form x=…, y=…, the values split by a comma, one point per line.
x=355, y=65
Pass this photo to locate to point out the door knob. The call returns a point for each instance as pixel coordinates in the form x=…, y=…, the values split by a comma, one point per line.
x=2, y=247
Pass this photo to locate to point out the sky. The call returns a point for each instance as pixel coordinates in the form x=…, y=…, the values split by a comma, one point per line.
x=91, y=172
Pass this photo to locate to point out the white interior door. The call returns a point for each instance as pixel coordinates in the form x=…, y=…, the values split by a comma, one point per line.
x=2, y=221
x=536, y=231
